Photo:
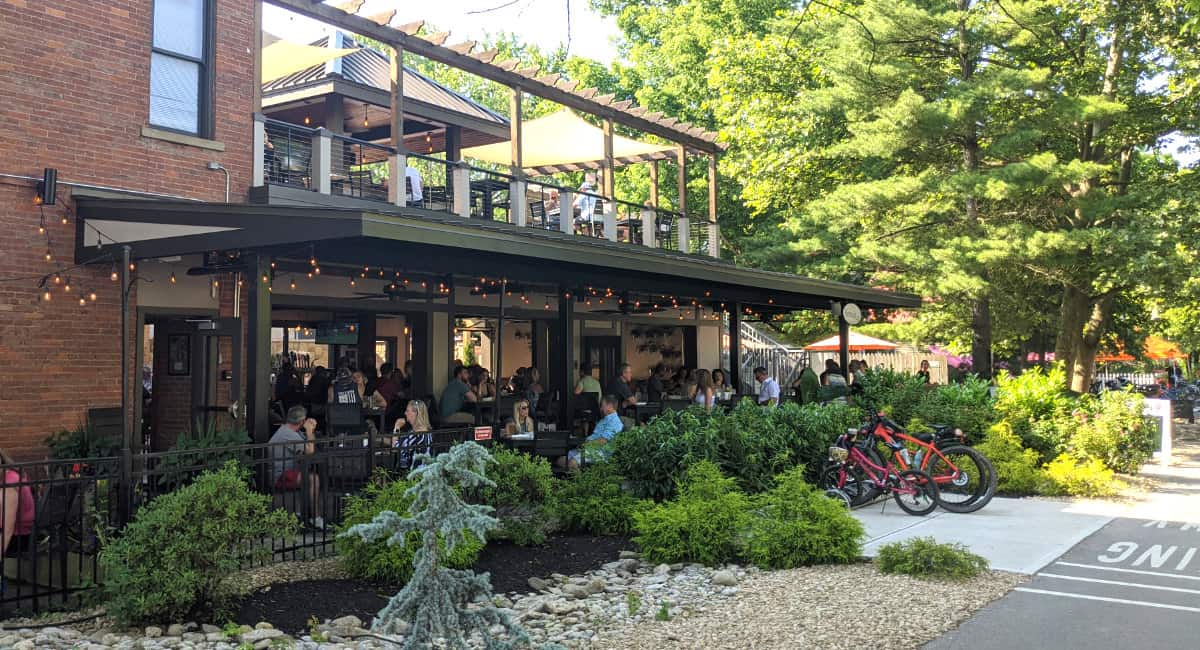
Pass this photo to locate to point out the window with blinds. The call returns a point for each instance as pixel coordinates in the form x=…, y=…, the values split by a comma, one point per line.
x=180, y=65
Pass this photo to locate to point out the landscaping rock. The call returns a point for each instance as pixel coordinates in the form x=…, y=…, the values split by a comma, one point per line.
x=153, y=632
x=629, y=555
x=725, y=578
x=175, y=629
x=596, y=585
x=254, y=636
x=263, y=625
x=540, y=584
x=576, y=591
x=662, y=569
x=209, y=629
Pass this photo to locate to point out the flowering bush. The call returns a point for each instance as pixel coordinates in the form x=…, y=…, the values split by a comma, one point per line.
x=1087, y=478
x=1112, y=429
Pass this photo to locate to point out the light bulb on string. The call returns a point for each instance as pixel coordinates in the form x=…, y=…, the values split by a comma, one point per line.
x=64, y=219
x=292, y=284
x=57, y=279
x=132, y=266
x=49, y=255
x=174, y=280
x=92, y=296
x=67, y=286
x=82, y=301
x=113, y=276
x=46, y=295
x=352, y=282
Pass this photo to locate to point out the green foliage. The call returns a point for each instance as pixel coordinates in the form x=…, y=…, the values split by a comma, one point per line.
x=633, y=601
x=795, y=524
x=81, y=442
x=453, y=604
x=1087, y=478
x=384, y=560
x=593, y=501
x=897, y=394
x=924, y=557
x=172, y=561
x=200, y=450
x=1111, y=428
x=703, y=524
x=663, y=613
x=522, y=497
x=966, y=405
x=1035, y=404
x=1017, y=468
x=750, y=443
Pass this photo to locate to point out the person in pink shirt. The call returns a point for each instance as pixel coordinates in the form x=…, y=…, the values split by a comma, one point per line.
x=16, y=503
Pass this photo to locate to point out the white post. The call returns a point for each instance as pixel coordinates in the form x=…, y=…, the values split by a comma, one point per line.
x=610, y=220
x=322, y=160
x=649, y=227
x=714, y=239
x=397, y=168
x=462, y=191
x=684, y=226
x=518, y=214
x=257, y=169
x=566, y=211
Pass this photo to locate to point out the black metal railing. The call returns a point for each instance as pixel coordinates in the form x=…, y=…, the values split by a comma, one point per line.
x=667, y=236
x=698, y=236
x=287, y=154
x=489, y=196
x=359, y=168
x=437, y=183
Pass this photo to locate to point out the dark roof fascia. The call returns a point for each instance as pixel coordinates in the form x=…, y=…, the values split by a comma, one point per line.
x=260, y=228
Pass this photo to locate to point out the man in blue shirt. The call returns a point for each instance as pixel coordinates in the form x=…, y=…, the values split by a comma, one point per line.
x=768, y=392
x=595, y=447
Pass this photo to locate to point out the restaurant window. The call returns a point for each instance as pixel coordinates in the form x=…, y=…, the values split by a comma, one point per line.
x=180, y=66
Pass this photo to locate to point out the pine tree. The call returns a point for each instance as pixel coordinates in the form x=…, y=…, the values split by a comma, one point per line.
x=439, y=602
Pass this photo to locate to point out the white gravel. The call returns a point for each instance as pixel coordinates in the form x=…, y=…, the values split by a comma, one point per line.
x=830, y=607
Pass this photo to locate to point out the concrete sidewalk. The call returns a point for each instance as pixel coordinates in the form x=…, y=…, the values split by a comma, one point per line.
x=1020, y=535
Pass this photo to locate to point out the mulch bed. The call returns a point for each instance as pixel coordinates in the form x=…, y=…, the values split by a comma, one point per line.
x=290, y=606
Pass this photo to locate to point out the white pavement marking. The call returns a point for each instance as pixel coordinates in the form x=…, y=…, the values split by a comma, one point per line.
x=1113, y=568
x=1119, y=583
x=1106, y=599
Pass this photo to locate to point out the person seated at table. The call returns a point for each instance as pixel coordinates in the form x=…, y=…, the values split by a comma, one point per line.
x=656, y=385
x=412, y=434
x=483, y=385
x=587, y=383
x=16, y=505
x=522, y=420
x=518, y=381
x=406, y=378
x=586, y=203
x=283, y=456
x=768, y=392
x=687, y=387
x=533, y=386
x=343, y=414
x=412, y=182
x=833, y=374
x=720, y=381
x=389, y=382
x=706, y=395
x=366, y=391
x=455, y=398
x=619, y=386
x=595, y=447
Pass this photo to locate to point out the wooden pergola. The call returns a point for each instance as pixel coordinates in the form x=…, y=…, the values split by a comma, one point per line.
x=520, y=80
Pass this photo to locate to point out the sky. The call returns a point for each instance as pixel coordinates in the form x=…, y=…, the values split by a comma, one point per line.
x=542, y=22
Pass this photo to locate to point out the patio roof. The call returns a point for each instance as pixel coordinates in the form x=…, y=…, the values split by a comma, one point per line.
x=432, y=242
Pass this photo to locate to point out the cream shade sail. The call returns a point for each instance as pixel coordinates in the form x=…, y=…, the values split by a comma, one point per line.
x=282, y=58
x=563, y=141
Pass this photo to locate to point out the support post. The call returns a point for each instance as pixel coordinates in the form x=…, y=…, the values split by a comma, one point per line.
x=516, y=192
x=453, y=155
x=566, y=211
x=461, y=176
x=322, y=163
x=566, y=358
x=714, y=243
x=649, y=227
x=681, y=182
x=735, y=347
x=366, y=339
x=397, y=174
x=843, y=342
x=398, y=161
x=610, y=220
x=258, y=348
x=714, y=239
x=498, y=349
x=654, y=183
x=257, y=165
x=610, y=186
x=126, y=490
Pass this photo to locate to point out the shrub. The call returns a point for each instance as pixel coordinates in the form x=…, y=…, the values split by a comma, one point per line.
x=593, y=501
x=702, y=525
x=200, y=450
x=811, y=429
x=171, y=562
x=81, y=442
x=521, y=497
x=1113, y=429
x=896, y=393
x=1035, y=396
x=924, y=557
x=380, y=561
x=1087, y=478
x=966, y=405
x=653, y=456
x=1016, y=467
x=794, y=524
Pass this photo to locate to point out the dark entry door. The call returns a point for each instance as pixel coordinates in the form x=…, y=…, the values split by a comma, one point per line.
x=217, y=377
x=604, y=355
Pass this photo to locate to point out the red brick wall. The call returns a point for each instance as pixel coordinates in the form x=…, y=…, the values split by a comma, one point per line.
x=74, y=83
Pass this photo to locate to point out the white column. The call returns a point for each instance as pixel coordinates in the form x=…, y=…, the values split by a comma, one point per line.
x=684, y=239
x=322, y=164
x=610, y=220
x=518, y=214
x=257, y=170
x=649, y=227
x=462, y=191
x=566, y=213
x=397, y=165
x=714, y=239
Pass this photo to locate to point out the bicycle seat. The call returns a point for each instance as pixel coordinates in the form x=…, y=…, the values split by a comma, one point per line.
x=924, y=437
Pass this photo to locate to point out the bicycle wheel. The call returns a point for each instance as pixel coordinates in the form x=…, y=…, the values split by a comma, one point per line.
x=915, y=492
x=965, y=478
x=838, y=495
x=855, y=485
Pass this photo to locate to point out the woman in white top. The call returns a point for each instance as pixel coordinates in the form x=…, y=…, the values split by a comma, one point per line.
x=705, y=393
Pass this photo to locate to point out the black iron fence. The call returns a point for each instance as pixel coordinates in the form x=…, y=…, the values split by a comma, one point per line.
x=78, y=502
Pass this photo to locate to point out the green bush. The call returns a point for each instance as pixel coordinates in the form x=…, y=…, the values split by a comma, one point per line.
x=81, y=442
x=1086, y=478
x=897, y=394
x=811, y=429
x=1017, y=468
x=924, y=557
x=1036, y=396
x=171, y=562
x=794, y=524
x=966, y=405
x=382, y=561
x=201, y=450
x=652, y=457
x=1113, y=429
x=522, y=497
x=703, y=524
x=593, y=501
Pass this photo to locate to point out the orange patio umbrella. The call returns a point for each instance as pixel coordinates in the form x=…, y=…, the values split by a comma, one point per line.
x=1160, y=348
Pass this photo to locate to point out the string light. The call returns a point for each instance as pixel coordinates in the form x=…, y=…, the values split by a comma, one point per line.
x=307, y=120
x=366, y=122
x=65, y=221
x=57, y=279
x=216, y=283
x=132, y=266
x=113, y=276
x=46, y=295
x=292, y=284
x=82, y=301
x=352, y=282
x=92, y=296
x=173, y=278
x=49, y=255
x=67, y=286
x=42, y=224
x=266, y=278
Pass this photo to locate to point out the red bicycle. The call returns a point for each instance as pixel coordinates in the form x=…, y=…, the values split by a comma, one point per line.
x=913, y=490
